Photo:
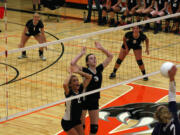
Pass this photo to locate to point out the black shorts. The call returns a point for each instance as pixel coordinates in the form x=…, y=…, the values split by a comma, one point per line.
x=32, y=34
x=67, y=125
x=90, y=104
x=134, y=47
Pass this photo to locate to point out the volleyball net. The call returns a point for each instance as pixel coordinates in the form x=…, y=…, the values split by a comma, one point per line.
x=31, y=84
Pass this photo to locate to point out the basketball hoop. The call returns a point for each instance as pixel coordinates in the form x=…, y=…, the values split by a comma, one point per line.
x=1, y=12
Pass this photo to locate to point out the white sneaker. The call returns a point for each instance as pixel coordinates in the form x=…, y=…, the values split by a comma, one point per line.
x=42, y=58
x=22, y=56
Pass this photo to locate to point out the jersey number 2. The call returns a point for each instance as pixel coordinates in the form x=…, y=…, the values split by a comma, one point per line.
x=173, y=129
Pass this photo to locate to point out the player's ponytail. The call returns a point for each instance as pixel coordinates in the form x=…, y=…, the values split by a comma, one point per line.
x=162, y=114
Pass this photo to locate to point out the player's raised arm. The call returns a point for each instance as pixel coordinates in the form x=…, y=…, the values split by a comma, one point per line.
x=107, y=53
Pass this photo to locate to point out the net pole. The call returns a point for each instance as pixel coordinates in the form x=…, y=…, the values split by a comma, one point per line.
x=6, y=55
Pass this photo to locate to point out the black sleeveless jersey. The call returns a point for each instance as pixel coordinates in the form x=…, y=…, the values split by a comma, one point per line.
x=73, y=107
x=34, y=29
x=160, y=4
x=95, y=82
x=175, y=5
x=130, y=40
x=148, y=3
x=131, y=3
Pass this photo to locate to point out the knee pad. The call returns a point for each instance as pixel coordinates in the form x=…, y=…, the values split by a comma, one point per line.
x=94, y=128
x=111, y=10
x=123, y=17
x=118, y=61
x=129, y=15
x=150, y=16
x=140, y=62
x=104, y=8
x=136, y=14
x=143, y=14
x=84, y=126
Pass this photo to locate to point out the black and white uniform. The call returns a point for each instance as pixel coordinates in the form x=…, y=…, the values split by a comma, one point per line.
x=174, y=6
x=91, y=102
x=33, y=29
x=148, y=3
x=132, y=42
x=73, y=111
x=161, y=4
x=114, y=2
x=173, y=127
x=131, y=4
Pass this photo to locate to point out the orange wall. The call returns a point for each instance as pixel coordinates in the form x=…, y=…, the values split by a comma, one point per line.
x=78, y=1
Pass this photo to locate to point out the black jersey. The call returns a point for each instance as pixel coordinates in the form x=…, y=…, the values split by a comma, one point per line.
x=131, y=41
x=172, y=128
x=175, y=5
x=95, y=82
x=73, y=107
x=34, y=29
x=131, y=4
x=113, y=2
x=148, y=3
x=161, y=4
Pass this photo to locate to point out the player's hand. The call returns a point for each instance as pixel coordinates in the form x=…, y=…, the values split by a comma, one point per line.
x=172, y=73
x=147, y=51
x=98, y=45
x=83, y=51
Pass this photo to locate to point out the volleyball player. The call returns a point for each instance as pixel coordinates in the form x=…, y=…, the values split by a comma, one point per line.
x=146, y=10
x=174, y=7
x=168, y=120
x=131, y=7
x=90, y=3
x=34, y=4
x=111, y=6
x=132, y=40
x=160, y=10
x=71, y=122
x=91, y=102
x=34, y=27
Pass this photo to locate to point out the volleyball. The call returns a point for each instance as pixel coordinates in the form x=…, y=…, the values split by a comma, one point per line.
x=165, y=68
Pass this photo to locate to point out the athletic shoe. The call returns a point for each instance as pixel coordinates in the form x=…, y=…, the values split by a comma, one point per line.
x=42, y=58
x=87, y=21
x=22, y=56
x=112, y=75
x=145, y=79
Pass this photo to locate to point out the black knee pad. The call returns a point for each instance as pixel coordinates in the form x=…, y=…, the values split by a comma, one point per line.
x=143, y=14
x=111, y=10
x=104, y=8
x=123, y=17
x=84, y=126
x=136, y=14
x=129, y=15
x=140, y=62
x=150, y=16
x=118, y=61
x=94, y=128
